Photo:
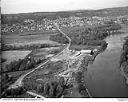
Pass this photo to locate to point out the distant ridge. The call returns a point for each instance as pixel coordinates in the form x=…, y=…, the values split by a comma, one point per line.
x=81, y=10
x=118, y=11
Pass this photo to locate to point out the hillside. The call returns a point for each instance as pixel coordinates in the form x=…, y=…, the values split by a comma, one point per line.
x=14, y=18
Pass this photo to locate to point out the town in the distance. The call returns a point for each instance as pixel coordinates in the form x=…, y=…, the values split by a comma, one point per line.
x=69, y=54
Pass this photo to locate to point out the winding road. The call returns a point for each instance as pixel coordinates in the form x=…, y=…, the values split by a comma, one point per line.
x=19, y=81
x=64, y=35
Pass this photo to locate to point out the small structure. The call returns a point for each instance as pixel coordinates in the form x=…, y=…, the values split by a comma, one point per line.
x=95, y=50
x=78, y=53
x=86, y=51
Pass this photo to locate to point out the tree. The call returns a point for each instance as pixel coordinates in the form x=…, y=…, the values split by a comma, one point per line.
x=22, y=66
x=79, y=77
x=62, y=81
x=14, y=92
x=59, y=90
x=123, y=57
x=46, y=89
x=51, y=90
x=40, y=88
x=4, y=77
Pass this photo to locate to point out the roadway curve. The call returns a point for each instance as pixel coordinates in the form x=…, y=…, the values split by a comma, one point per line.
x=64, y=35
x=19, y=81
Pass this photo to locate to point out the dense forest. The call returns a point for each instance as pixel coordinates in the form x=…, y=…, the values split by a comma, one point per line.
x=124, y=57
x=89, y=36
x=21, y=64
x=6, y=80
x=48, y=89
x=53, y=88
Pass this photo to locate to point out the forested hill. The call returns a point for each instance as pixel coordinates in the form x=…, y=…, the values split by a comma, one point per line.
x=6, y=18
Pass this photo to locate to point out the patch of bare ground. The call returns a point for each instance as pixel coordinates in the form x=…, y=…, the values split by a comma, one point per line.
x=67, y=67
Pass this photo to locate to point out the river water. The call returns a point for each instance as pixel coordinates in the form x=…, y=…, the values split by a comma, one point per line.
x=104, y=78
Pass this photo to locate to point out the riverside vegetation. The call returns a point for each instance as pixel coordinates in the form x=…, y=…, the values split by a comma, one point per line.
x=93, y=36
x=124, y=59
x=90, y=36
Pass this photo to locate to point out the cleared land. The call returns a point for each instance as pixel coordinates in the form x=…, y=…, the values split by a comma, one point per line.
x=14, y=55
x=15, y=39
x=67, y=64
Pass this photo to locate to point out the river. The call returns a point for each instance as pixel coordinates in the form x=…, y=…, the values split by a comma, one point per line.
x=103, y=77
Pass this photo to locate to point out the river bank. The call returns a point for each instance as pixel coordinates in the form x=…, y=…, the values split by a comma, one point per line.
x=103, y=76
x=82, y=90
x=86, y=61
x=124, y=60
x=124, y=74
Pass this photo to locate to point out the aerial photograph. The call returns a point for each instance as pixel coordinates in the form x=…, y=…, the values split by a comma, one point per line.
x=64, y=49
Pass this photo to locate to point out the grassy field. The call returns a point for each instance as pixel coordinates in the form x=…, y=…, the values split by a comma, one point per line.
x=14, y=55
x=36, y=54
x=22, y=39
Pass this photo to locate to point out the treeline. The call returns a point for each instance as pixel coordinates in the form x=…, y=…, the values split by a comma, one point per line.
x=81, y=85
x=51, y=88
x=6, y=80
x=124, y=57
x=3, y=60
x=59, y=38
x=21, y=64
x=25, y=47
x=89, y=36
x=13, y=93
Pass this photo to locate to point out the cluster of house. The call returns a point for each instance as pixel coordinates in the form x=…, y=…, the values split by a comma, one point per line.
x=27, y=26
x=45, y=24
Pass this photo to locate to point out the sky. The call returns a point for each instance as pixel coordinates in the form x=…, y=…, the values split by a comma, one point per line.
x=25, y=6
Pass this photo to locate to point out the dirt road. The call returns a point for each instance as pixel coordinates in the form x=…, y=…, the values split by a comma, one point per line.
x=19, y=81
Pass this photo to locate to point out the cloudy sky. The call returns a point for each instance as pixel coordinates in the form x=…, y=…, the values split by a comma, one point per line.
x=24, y=6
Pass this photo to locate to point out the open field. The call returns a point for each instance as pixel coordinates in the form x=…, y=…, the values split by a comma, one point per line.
x=45, y=52
x=17, y=57
x=15, y=39
x=49, y=55
x=14, y=55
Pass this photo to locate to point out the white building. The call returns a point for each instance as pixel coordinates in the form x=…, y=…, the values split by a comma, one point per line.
x=86, y=51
